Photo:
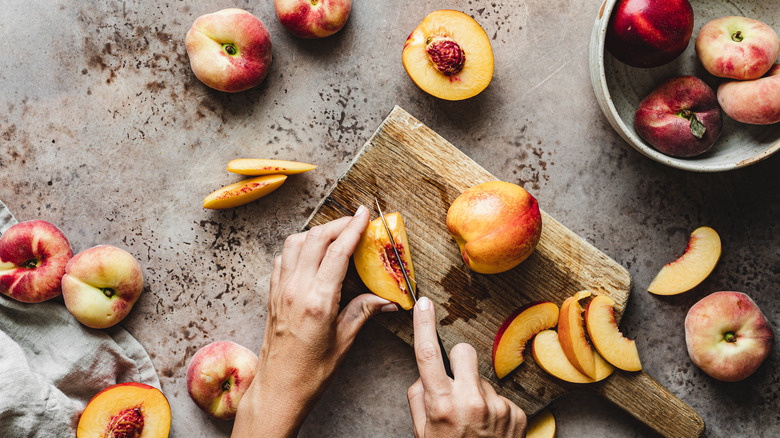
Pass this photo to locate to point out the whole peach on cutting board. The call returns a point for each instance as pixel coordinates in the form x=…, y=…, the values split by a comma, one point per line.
x=377, y=265
x=680, y=117
x=313, y=18
x=756, y=102
x=649, y=33
x=101, y=284
x=496, y=225
x=126, y=410
x=229, y=50
x=737, y=47
x=218, y=376
x=33, y=255
x=727, y=335
x=448, y=55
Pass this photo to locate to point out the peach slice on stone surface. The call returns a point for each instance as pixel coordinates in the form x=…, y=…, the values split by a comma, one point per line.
x=123, y=410
x=548, y=354
x=448, y=55
x=243, y=192
x=377, y=265
x=698, y=261
x=259, y=166
x=607, y=338
x=541, y=425
x=517, y=330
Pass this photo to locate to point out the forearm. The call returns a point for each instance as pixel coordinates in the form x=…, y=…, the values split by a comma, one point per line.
x=270, y=412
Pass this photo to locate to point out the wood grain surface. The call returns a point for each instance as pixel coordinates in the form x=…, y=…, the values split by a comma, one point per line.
x=412, y=170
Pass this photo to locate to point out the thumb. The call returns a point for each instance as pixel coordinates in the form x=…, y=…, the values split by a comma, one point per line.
x=356, y=313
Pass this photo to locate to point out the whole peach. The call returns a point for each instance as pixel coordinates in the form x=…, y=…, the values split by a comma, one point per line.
x=313, y=18
x=737, y=47
x=496, y=225
x=756, y=102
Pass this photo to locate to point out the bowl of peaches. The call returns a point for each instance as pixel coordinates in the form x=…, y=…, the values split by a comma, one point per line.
x=693, y=84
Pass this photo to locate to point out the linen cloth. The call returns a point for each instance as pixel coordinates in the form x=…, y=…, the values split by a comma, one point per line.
x=51, y=365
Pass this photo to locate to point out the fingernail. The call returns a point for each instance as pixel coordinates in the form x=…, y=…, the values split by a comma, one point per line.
x=360, y=210
x=424, y=303
x=389, y=308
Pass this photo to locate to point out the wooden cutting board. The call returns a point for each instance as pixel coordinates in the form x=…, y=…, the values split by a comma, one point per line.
x=414, y=171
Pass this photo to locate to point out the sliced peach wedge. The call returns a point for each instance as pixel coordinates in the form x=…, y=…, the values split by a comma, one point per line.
x=449, y=56
x=258, y=166
x=571, y=331
x=243, y=192
x=606, y=337
x=698, y=261
x=377, y=264
x=517, y=330
x=126, y=410
x=541, y=425
x=548, y=354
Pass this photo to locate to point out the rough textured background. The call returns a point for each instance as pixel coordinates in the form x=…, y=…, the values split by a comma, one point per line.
x=105, y=131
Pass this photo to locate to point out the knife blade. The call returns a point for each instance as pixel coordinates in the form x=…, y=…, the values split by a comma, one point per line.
x=445, y=358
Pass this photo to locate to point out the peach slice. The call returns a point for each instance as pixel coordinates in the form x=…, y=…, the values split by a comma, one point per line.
x=517, y=330
x=685, y=273
x=548, y=354
x=243, y=192
x=377, y=264
x=449, y=56
x=258, y=166
x=606, y=337
x=572, y=335
x=541, y=425
x=126, y=410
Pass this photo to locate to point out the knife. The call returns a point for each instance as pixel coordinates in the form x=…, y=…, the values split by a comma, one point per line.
x=444, y=357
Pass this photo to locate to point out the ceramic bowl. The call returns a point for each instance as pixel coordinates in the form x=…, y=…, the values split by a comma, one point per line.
x=619, y=89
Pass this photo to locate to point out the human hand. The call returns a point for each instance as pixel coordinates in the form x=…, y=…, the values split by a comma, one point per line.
x=306, y=337
x=463, y=406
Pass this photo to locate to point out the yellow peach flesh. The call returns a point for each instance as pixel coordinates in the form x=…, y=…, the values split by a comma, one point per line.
x=541, y=425
x=477, y=69
x=508, y=353
x=572, y=335
x=548, y=354
x=376, y=263
x=118, y=399
x=243, y=192
x=606, y=337
x=685, y=273
x=258, y=166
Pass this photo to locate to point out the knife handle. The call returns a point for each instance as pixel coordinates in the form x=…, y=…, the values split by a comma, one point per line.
x=444, y=357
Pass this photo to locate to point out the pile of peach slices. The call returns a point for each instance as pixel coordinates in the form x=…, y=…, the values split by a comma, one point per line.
x=566, y=353
x=268, y=176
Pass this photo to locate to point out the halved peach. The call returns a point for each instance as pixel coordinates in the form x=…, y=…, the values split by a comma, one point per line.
x=606, y=337
x=517, y=330
x=541, y=425
x=126, y=410
x=243, y=192
x=572, y=335
x=259, y=166
x=685, y=273
x=449, y=56
x=377, y=264
x=548, y=354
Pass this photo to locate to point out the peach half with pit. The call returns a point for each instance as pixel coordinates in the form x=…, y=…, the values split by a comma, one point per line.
x=377, y=265
x=496, y=225
x=448, y=55
x=607, y=338
x=548, y=354
x=696, y=264
x=517, y=330
x=243, y=192
x=126, y=410
x=259, y=166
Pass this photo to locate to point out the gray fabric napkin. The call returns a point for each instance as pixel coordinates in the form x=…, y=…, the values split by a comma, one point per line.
x=51, y=365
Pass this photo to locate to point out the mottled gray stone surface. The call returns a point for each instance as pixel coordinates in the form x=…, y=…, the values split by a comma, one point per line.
x=105, y=131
